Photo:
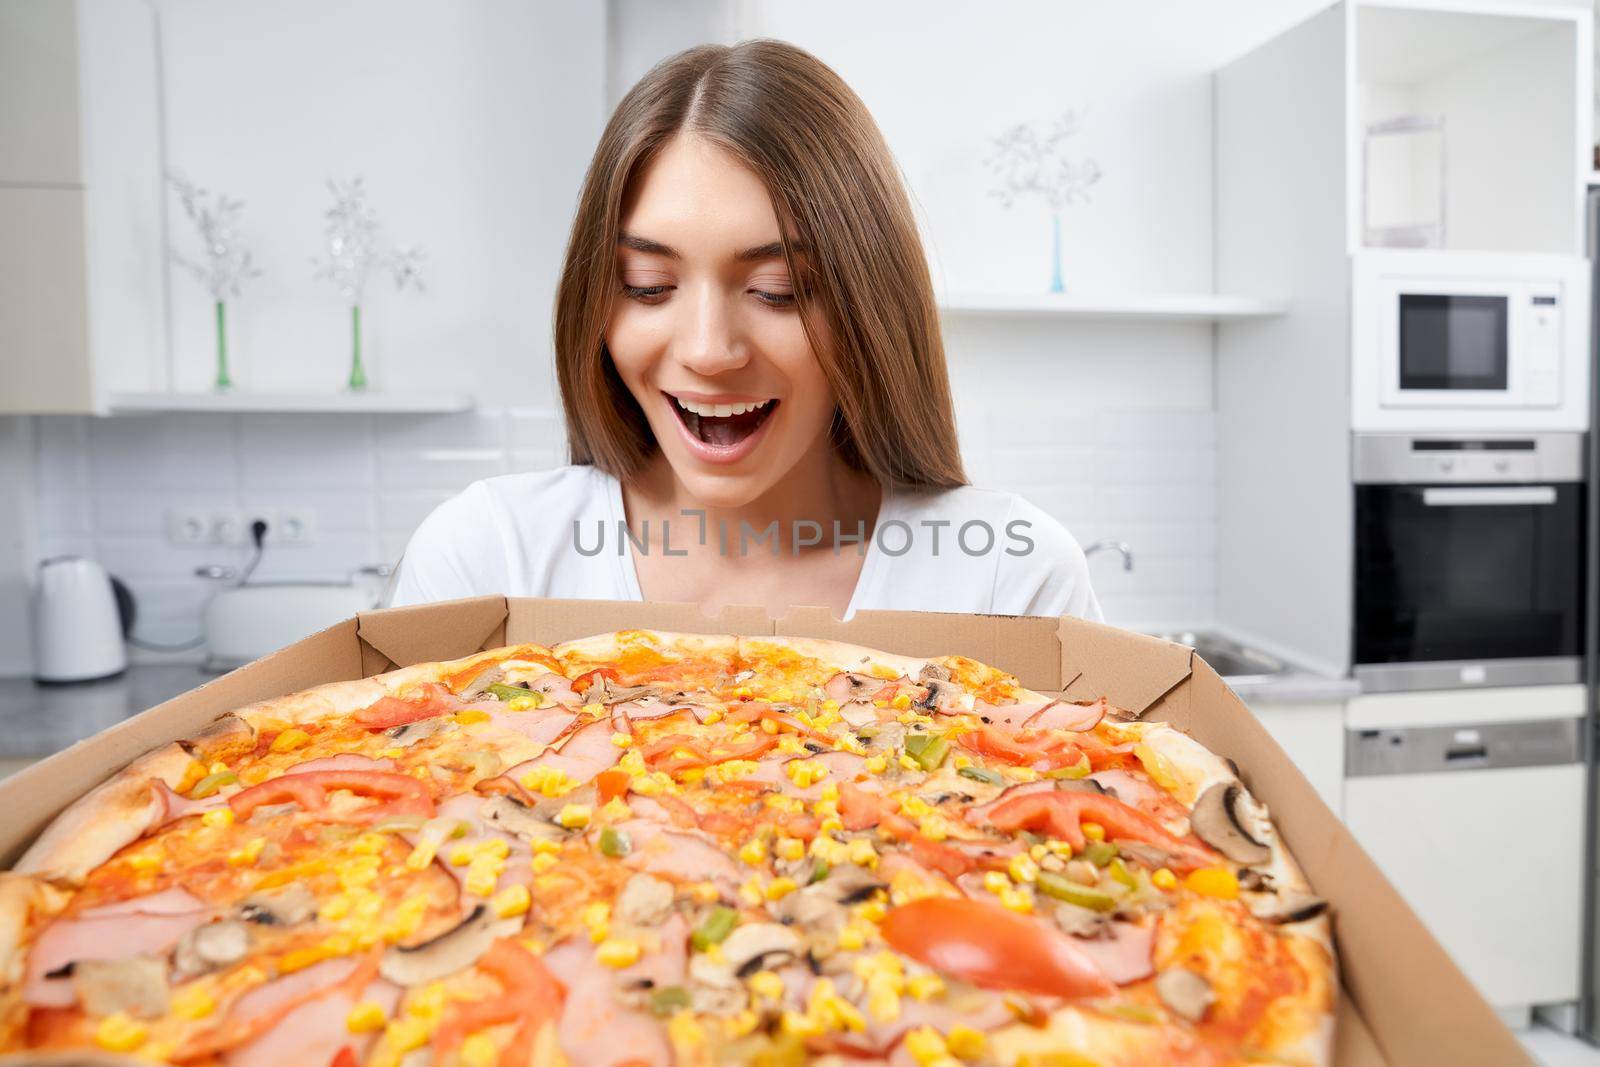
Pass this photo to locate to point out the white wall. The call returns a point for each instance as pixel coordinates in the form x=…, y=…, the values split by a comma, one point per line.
x=471, y=122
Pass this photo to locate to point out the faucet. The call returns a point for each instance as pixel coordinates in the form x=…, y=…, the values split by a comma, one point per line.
x=1113, y=543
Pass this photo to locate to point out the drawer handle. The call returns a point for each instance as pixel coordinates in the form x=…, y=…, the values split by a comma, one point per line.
x=1466, y=754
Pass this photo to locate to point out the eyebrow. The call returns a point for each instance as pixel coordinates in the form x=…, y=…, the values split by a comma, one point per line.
x=770, y=250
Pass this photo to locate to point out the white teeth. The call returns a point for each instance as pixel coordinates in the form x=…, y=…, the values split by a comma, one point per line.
x=718, y=411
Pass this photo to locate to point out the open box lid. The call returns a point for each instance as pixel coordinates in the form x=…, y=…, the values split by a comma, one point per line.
x=1405, y=1002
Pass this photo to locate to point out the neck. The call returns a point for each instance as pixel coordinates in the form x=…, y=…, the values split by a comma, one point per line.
x=821, y=488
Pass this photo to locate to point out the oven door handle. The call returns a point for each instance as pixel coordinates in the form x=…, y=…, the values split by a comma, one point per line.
x=1488, y=496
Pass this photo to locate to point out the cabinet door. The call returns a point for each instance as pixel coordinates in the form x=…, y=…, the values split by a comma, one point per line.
x=1312, y=735
x=39, y=86
x=44, y=342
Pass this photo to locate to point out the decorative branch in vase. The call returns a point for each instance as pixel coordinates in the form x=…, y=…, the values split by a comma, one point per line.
x=226, y=261
x=356, y=247
x=1031, y=159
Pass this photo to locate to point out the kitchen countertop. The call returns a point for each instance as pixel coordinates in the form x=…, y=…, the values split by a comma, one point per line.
x=41, y=720
x=1296, y=686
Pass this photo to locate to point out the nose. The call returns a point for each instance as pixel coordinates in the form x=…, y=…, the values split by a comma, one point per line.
x=707, y=341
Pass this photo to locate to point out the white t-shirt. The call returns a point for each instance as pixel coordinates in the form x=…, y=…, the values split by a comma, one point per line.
x=559, y=533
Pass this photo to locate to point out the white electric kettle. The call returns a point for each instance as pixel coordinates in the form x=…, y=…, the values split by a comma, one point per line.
x=78, y=622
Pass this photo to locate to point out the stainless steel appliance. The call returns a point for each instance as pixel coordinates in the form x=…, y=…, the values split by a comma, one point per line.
x=1469, y=560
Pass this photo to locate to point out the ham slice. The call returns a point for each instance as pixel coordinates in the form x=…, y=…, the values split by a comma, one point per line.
x=468, y=807
x=557, y=688
x=1123, y=954
x=585, y=754
x=313, y=1032
x=293, y=987
x=171, y=806
x=1131, y=790
x=1011, y=716
x=668, y=965
x=539, y=726
x=344, y=761
x=1078, y=717
x=978, y=815
x=596, y=1029
x=143, y=926
x=676, y=854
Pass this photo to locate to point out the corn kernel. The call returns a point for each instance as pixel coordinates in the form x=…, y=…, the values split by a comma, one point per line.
x=573, y=816
x=468, y=716
x=795, y=1024
x=366, y=1017
x=480, y=881
x=925, y=986
x=915, y=807
x=289, y=740
x=621, y=740
x=713, y=716
x=218, y=817
x=768, y=726
x=478, y=1051
x=391, y=753
x=934, y=827
x=751, y=892
x=877, y=764
x=883, y=1002
x=686, y=1035
x=403, y=1035
x=901, y=701
x=511, y=901
x=543, y=862
x=851, y=938
x=1059, y=848
x=1023, y=868
x=594, y=711
x=1216, y=882
x=740, y=1024
x=247, y=854
x=1162, y=878
x=618, y=952
x=789, y=848
x=753, y=852
x=1017, y=899
x=192, y=1002
x=144, y=861
x=1094, y=831
x=861, y=852
x=120, y=1032
x=909, y=764
x=779, y=888
x=965, y=1042
x=766, y=984
x=926, y=1046
x=961, y=760
x=421, y=855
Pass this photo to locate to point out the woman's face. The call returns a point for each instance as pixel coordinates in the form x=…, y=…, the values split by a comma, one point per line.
x=706, y=332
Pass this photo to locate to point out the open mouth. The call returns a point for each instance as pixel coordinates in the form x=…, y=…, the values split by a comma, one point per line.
x=722, y=425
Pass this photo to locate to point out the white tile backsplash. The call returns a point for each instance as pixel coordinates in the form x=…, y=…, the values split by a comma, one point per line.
x=104, y=488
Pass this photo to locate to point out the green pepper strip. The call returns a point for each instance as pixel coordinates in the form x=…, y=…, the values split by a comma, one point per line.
x=1062, y=888
x=715, y=929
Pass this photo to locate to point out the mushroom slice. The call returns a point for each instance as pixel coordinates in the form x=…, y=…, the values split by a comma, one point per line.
x=407, y=734
x=1080, y=785
x=847, y=686
x=1216, y=821
x=136, y=986
x=644, y=901
x=1290, y=908
x=454, y=950
x=482, y=682
x=940, y=695
x=278, y=907
x=1185, y=992
x=756, y=946
x=205, y=948
x=1081, y=922
x=934, y=672
x=507, y=813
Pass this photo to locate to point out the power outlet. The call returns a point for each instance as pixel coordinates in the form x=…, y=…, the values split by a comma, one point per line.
x=228, y=527
x=188, y=526
x=285, y=526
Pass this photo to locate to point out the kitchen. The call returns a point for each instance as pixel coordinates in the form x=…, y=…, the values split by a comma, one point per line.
x=1258, y=395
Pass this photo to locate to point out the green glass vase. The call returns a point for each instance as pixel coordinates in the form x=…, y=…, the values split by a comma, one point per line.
x=358, y=373
x=224, y=379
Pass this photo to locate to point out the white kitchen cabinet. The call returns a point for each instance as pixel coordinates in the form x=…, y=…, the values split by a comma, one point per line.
x=82, y=284
x=1311, y=734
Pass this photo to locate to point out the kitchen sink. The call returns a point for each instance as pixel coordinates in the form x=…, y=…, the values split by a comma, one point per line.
x=1235, y=662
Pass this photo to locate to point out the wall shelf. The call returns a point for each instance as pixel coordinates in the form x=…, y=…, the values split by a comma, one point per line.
x=1199, y=307
x=374, y=403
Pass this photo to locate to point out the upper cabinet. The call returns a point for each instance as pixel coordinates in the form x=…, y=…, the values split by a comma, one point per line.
x=82, y=295
x=1469, y=130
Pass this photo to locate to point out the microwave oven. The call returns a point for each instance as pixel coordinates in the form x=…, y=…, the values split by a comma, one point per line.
x=1469, y=342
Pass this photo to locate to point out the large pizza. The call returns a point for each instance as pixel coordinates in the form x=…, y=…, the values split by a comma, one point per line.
x=651, y=848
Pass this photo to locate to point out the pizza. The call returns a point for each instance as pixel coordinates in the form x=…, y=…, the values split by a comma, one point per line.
x=647, y=848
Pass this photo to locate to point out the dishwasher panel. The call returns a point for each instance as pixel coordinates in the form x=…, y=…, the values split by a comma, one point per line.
x=1490, y=855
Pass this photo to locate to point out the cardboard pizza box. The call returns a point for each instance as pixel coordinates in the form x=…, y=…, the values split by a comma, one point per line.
x=1403, y=1001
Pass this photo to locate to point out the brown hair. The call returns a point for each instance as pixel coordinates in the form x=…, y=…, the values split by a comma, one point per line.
x=838, y=196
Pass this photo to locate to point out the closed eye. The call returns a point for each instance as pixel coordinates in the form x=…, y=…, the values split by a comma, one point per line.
x=645, y=294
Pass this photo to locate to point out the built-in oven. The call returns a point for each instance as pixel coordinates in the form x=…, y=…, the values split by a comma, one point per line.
x=1469, y=560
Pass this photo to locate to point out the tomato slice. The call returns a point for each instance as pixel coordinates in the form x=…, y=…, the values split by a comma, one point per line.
x=987, y=945
x=612, y=784
x=1043, y=753
x=531, y=996
x=583, y=681
x=1059, y=813
x=401, y=793
x=431, y=700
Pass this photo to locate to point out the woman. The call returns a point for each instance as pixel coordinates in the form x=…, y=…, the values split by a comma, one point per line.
x=753, y=380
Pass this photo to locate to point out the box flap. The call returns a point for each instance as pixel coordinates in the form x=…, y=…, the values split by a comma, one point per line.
x=549, y=622
x=1131, y=670
x=1417, y=1004
x=398, y=637
x=1353, y=1045
x=37, y=794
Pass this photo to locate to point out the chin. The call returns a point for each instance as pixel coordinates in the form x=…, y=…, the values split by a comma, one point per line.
x=720, y=490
